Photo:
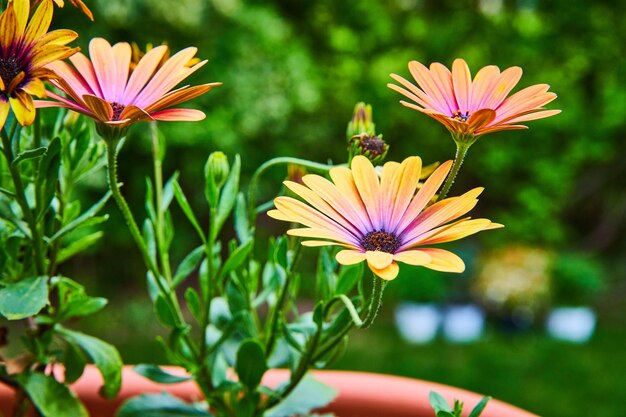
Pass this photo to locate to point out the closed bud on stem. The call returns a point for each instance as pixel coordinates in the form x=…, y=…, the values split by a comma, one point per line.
x=70, y=119
x=361, y=121
x=215, y=171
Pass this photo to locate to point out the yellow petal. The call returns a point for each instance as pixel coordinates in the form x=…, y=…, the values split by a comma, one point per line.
x=350, y=257
x=23, y=108
x=378, y=259
x=412, y=257
x=443, y=260
x=367, y=184
x=4, y=112
x=35, y=87
x=317, y=243
x=40, y=22
x=22, y=10
x=388, y=273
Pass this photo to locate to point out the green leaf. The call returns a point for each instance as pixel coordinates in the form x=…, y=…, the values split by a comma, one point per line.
x=51, y=398
x=188, y=265
x=163, y=311
x=47, y=176
x=251, y=364
x=438, y=403
x=157, y=374
x=74, y=362
x=308, y=395
x=160, y=405
x=91, y=212
x=186, y=208
x=479, y=407
x=228, y=195
x=348, y=276
x=24, y=298
x=78, y=246
x=29, y=154
x=193, y=303
x=237, y=258
x=168, y=191
x=242, y=225
x=104, y=355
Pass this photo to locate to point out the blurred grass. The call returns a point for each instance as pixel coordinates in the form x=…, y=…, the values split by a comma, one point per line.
x=547, y=377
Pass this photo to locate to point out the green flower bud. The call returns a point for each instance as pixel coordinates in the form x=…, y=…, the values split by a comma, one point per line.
x=361, y=121
x=215, y=172
x=217, y=168
x=373, y=147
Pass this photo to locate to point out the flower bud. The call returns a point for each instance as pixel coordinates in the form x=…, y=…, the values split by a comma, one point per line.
x=217, y=168
x=373, y=147
x=215, y=173
x=70, y=119
x=361, y=121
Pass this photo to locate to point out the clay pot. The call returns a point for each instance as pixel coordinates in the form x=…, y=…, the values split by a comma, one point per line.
x=361, y=394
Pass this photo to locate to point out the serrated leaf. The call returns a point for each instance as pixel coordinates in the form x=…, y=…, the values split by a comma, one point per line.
x=157, y=374
x=160, y=405
x=104, y=355
x=24, y=298
x=188, y=265
x=308, y=395
x=29, y=154
x=478, y=409
x=51, y=398
x=251, y=364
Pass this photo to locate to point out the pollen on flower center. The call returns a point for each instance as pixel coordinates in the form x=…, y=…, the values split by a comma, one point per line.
x=457, y=115
x=373, y=144
x=9, y=69
x=117, y=110
x=381, y=241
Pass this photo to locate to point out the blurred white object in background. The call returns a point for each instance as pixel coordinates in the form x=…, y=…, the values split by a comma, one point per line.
x=572, y=324
x=463, y=323
x=417, y=323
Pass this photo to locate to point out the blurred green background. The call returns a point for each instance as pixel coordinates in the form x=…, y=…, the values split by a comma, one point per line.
x=292, y=72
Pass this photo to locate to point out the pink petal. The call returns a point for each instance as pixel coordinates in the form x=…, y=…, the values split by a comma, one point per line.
x=181, y=115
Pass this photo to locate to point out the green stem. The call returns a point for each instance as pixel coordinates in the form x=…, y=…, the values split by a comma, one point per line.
x=254, y=181
x=20, y=196
x=461, y=151
x=376, y=301
x=128, y=215
x=158, y=190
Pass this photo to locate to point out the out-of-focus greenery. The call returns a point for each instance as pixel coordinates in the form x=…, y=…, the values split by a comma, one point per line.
x=292, y=72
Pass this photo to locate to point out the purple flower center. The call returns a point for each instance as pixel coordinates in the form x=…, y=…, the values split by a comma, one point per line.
x=9, y=69
x=381, y=241
x=457, y=115
x=117, y=110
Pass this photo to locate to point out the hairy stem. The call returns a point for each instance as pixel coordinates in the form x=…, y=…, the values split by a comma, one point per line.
x=461, y=151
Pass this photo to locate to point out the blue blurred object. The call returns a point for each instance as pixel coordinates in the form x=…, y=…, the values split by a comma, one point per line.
x=463, y=323
x=418, y=323
x=571, y=324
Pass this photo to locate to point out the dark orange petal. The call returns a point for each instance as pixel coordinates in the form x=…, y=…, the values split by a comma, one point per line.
x=480, y=119
x=100, y=108
x=176, y=97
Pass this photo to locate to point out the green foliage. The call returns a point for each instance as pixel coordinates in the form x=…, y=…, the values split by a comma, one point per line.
x=309, y=395
x=24, y=298
x=442, y=409
x=51, y=398
x=160, y=405
x=577, y=279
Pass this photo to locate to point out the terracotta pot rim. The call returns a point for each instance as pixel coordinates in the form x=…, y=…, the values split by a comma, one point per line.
x=360, y=394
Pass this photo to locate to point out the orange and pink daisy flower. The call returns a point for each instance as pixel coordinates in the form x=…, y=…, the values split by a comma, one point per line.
x=382, y=221
x=26, y=48
x=106, y=89
x=470, y=108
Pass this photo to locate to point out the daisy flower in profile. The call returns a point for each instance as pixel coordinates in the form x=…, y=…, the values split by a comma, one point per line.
x=470, y=108
x=381, y=221
x=26, y=47
x=106, y=90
